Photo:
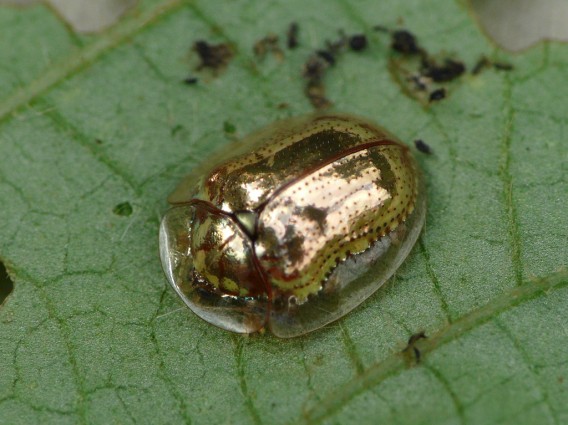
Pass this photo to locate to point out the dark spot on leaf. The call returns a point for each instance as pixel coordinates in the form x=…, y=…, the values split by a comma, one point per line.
x=315, y=67
x=337, y=46
x=292, y=35
x=268, y=44
x=229, y=127
x=190, y=81
x=416, y=337
x=502, y=66
x=450, y=70
x=176, y=129
x=314, y=70
x=6, y=284
x=437, y=94
x=358, y=42
x=419, y=82
x=411, y=349
x=327, y=56
x=404, y=41
x=423, y=147
x=481, y=64
x=123, y=209
x=417, y=71
x=484, y=63
x=381, y=28
x=213, y=56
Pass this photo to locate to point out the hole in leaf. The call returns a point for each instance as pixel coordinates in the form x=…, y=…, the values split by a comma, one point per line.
x=84, y=16
x=123, y=209
x=518, y=24
x=229, y=127
x=6, y=284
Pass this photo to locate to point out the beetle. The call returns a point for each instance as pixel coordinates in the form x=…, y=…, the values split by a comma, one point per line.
x=294, y=226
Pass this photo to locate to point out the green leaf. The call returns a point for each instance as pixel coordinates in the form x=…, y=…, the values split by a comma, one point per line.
x=93, y=334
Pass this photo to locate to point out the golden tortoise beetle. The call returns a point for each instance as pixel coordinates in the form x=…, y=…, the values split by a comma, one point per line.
x=294, y=226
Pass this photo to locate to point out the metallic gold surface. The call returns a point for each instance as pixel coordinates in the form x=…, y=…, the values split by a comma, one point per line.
x=223, y=254
x=339, y=210
x=244, y=176
x=274, y=216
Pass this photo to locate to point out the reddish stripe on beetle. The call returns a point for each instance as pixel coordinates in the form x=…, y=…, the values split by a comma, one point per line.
x=262, y=274
x=331, y=160
x=199, y=203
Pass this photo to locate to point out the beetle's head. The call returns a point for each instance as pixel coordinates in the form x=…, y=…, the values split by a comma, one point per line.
x=208, y=256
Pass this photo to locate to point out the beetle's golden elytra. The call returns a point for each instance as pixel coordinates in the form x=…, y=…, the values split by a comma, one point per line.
x=294, y=226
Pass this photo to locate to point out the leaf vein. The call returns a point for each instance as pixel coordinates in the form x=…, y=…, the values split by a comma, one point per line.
x=507, y=180
x=528, y=361
x=84, y=57
x=249, y=404
x=395, y=363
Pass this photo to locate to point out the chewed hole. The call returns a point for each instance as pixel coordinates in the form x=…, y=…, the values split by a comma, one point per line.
x=229, y=127
x=6, y=284
x=123, y=209
x=519, y=24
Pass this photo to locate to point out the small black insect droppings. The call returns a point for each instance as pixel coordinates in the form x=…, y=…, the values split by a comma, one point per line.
x=326, y=56
x=214, y=56
x=335, y=47
x=404, y=41
x=266, y=45
x=292, y=35
x=190, y=81
x=358, y=42
x=422, y=146
x=481, y=64
x=314, y=68
x=123, y=209
x=437, y=94
x=419, y=82
x=315, y=91
x=449, y=71
x=6, y=283
x=411, y=346
x=98, y=141
x=502, y=66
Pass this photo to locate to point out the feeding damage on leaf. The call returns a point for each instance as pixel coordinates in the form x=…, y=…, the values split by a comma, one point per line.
x=411, y=352
x=84, y=16
x=423, y=76
x=6, y=284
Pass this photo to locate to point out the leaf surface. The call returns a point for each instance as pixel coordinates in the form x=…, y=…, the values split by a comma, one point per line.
x=92, y=334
